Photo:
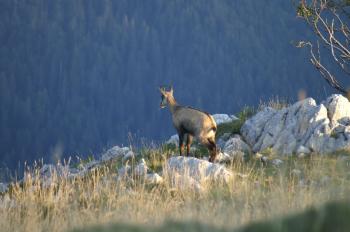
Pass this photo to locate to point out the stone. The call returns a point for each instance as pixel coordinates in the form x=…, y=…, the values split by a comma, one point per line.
x=199, y=170
x=128, y=156
x=303, y=150
x=277, y=162
x=223, y=157
x=174, y=139
x=253, y=128
x=114, y=153
x=303, y=127
x=220, y=142
x=154, y=178
x=264, y=159
x=302, y=155
x=124, y=171
x=223, y=118
x=184, y=182
x=49, y=174
x=141, y=168
x=236, y=148
x=338, y=107
x=54, y=171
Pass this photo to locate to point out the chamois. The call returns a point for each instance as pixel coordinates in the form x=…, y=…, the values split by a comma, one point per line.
x=190, y=122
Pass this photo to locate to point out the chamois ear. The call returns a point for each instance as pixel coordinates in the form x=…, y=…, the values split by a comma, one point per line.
x=171, y=90
x=161, y=89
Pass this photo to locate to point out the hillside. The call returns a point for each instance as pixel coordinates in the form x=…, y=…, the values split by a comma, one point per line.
x=79, y=76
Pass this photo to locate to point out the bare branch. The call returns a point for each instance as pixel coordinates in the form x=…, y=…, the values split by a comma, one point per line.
x=325, y=19
x=316, y=61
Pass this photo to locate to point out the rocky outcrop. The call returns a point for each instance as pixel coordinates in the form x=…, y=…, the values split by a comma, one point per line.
x=50, y=174
x=235, y=147
x=116, y=153
x=193, y=172
x=301, y=128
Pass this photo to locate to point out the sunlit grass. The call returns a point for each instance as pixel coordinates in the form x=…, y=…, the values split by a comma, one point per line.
x=257, y=192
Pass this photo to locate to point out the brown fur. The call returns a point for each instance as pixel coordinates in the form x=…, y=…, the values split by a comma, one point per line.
x=191, y=122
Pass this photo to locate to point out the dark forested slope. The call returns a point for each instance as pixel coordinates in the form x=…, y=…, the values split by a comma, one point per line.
x=84, y=73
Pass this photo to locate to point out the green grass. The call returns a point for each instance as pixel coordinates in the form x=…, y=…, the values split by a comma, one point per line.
x=155, y=157
x=166, y=227
x=333, y=216
x=234, y=127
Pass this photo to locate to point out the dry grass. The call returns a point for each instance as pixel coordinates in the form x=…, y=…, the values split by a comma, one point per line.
x=275, y=103
x=262, y=193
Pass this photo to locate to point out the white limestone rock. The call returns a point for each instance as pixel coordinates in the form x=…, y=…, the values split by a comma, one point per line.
x=154, y=178
x=124, y=171
x=220, y=142
x=141, y=169
x=199, y=170
x=129, y=156
x=54, y=171
x=223, y=118
x=303, y=150
x=114, y=153
x=50, y=174
x=338, y=107
x=277, y=162
x=174, y=139
x=302, y=128
x=253, y=128
x=235, y=147
x=184, y=182
x=223, y=157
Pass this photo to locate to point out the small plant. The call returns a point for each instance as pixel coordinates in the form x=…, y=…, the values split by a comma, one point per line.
x=334, y=134
x=275, y=103
x=246, y=113
x=229, y=127
x=200, y=151
x=234, y=126
x=155, y=157
x=267, y=152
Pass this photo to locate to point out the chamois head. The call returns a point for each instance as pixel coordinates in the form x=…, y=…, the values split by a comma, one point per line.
x=166, y=96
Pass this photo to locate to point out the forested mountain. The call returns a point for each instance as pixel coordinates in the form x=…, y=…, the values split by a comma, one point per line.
x=82, y=74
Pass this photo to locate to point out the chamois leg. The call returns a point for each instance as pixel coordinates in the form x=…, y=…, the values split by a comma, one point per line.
x=181, y=142
x=189, y=142
x=212, y=149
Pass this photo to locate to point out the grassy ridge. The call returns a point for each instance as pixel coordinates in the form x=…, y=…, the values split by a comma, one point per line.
x=259, y=192
x=260, y=196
